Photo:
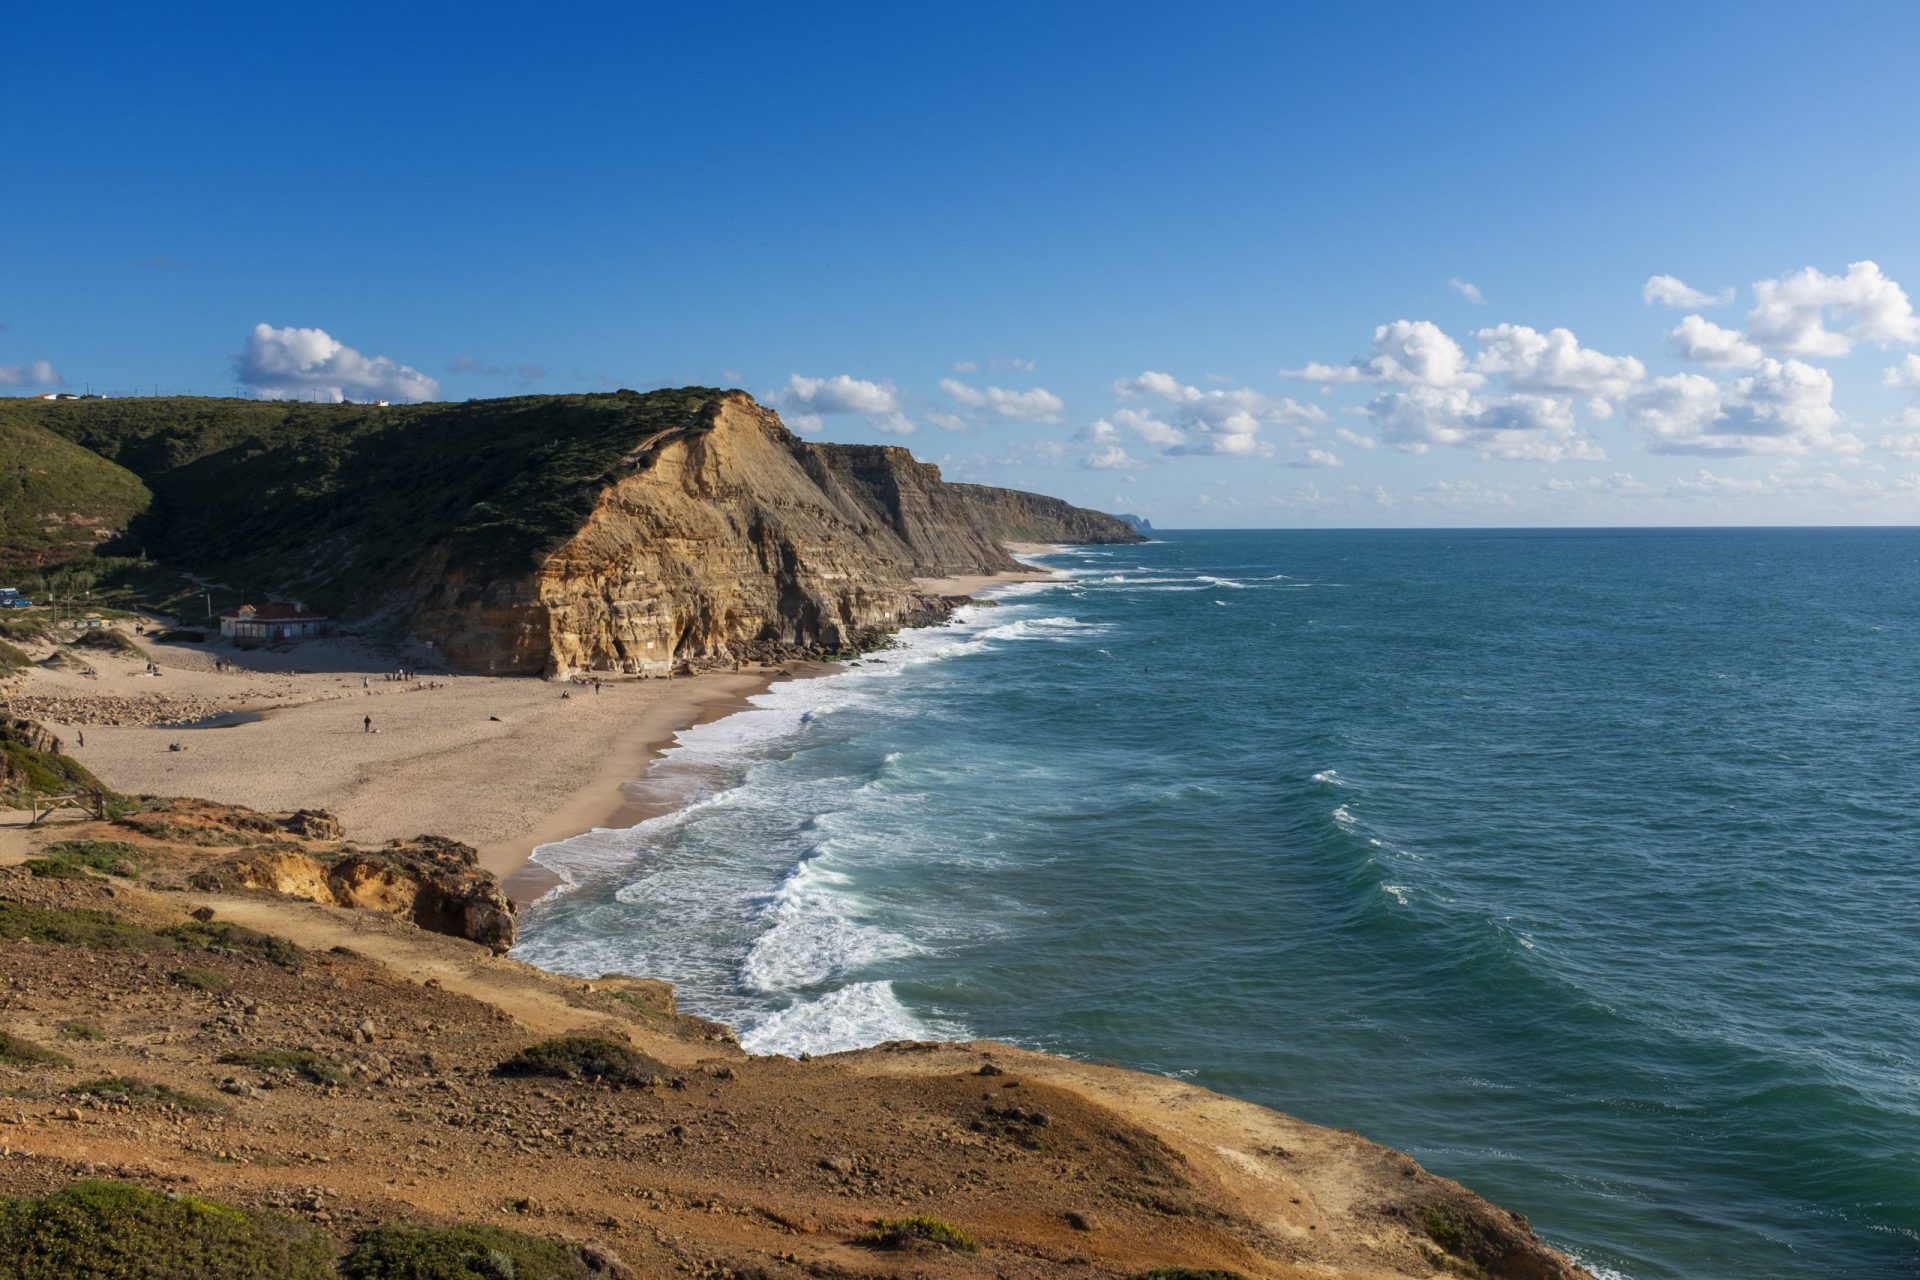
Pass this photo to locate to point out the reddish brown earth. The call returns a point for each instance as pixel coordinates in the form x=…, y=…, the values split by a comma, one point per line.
x=727, y=1165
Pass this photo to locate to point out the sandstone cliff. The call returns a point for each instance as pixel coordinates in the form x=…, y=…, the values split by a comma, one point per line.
x=729, y=540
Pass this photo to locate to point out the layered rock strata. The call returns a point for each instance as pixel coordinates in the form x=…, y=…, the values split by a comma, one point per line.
x=733, y=540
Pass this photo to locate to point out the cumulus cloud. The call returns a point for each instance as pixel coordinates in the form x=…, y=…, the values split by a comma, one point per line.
x=1468, y=290
x=1704, y=342
x=1315, y=458
x=1790, y=315
x=1354, y=438
x=1781, y=407
x=1553, y=362
x=38, y=374
x=812, y=398
x=1905, y=374
x=1521, y=428
x=278, y=364
x=1111, y=458
x=964, y=366
x=1414, y=352
x=840, y=394
x=1671, y=291
x=1213, y=422
x=1035, y=405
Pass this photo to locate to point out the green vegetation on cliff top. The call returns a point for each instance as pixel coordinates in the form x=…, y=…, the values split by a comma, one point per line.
x=335, y=503
x=56, y=498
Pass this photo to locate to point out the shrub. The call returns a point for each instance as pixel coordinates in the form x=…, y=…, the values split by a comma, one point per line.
x=108, y=640
x=470, y=1252
x=194, y=978
x=74, y=927
x=114, y=857
x=13, y=658
x=143, y=1093
x=115, y=1231
x=235, y=940
x=18, y=1052
x=77, y=1030
x=903, y=1233
x=301, y=1062
x=585, y=1058
x=105, y=931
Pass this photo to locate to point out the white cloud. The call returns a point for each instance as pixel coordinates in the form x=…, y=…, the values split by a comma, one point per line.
x=1468, y=290
x=38, y=374
x=1671, y=291
x=1035, y=405
x=1354, y=438
x=1779, y=408
x=1600, y=408
x=1704, y=342
x=1413, y=352
x=964, y=366
x=281, y=363
x=1790, y=315
x=1906, y=446
x=1315, y=458
x=1111, y=458
x=947, y=421
x=1521, y=428
x=840, y=394
x=1618, y=482
x=1553, y=361
x=1215, y=422
x=1904, y=374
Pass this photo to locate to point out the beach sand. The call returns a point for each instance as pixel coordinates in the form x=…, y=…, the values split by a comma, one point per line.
x=501, y=763
x=505, y=764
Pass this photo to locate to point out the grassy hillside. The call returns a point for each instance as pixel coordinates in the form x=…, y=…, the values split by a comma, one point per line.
x=57, y=500
x=335, y=503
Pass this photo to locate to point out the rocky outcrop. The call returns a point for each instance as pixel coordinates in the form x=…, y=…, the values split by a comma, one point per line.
x=732, y=540
x=434, y=882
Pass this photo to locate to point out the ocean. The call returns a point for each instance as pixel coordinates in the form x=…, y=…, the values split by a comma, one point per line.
x=1584, y=866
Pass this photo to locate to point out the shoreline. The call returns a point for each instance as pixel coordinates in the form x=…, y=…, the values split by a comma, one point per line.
x=606, y=804
x=504, y=764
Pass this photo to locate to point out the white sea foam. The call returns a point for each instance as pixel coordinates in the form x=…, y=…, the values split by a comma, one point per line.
x=1223, y=582
x=810, y=938
x=1344, y=815
x=1398, y=892
x=1329, y=778
x=851, y=1017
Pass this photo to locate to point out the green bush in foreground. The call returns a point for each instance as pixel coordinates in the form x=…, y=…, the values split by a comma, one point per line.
x=143, y=1093
x=585, y=1058
x=310, y=1066
x=18, y=1052
x=901, y=1233
x=471, y=1252
x=78, y=1030
x=114, y=1231
x=13, y=658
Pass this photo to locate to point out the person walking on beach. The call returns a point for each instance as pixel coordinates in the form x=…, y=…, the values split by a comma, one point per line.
x=366, y=724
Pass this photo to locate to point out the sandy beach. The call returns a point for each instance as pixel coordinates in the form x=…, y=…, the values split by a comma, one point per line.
x=505, y=764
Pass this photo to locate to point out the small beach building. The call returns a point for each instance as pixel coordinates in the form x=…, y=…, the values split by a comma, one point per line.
x=271, y=623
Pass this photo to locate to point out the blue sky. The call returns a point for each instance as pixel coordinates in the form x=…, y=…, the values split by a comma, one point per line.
x=1198, y=262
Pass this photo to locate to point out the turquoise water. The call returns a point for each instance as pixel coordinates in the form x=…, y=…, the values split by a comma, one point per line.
x=1583, y=866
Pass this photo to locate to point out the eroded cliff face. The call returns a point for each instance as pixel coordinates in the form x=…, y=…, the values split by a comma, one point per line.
x=733, y=540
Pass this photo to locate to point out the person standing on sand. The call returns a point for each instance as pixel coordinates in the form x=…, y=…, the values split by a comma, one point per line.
x=366, y=724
